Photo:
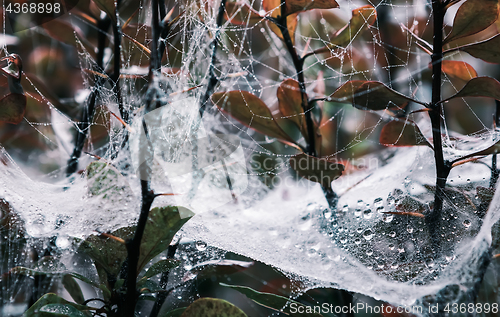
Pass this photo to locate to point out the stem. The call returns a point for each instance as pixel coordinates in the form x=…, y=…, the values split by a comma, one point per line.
x=442, y=167
x=212, y=78
x=87, y=114
x=148, y=196
x=495, y=172
x=133, y=251
x=162, y=296
x=117, y=33
x=281, y=23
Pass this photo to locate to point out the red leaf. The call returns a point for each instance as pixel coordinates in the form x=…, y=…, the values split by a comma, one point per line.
x=12, y=108
x=250, y=111
x=370, y=95
x=488, y=50
x=473, y=17
x=290, y=103
x=458, y=69
x=402, y=133
x=361, y=20
x=241, y=13
x=479, y=87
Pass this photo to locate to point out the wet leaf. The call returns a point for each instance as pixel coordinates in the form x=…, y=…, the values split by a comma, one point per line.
x=73, y=288
x=272, y=301
x=211, y=268
x=161, y=266
x=487, y=50
x=48, y=299
x=458, y=69
x=291, y=23
x=369, y=95
x=362, y=18
x=175, y=312
x=250, y=111
x=473, y=17
x=479, y=87
x=107, y=6
x=163, y=223
x=402, y=133
x=241, y=13
x=315, y=169
x=290, y=103
x=65, y=32
x=12, y=108
x=148, y=286
x=107, y=253
x=297, y=6
x=212, y=307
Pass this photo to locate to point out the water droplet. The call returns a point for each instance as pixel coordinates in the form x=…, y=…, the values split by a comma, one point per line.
x=345, y=208
x=62, y=242
x=360, y=203
x=387, y=218
x=378, y=202
x=327, y=213
x=201, y=246
x=343, y=240
x=359, y=230
x=367, y=214
x=409, y=229
x=391, y=246
x=392, y=234
x=467, y=223
x=381, y=210
x=357, y=241
x=305, y=223
x=369, y=252
x=368, y=234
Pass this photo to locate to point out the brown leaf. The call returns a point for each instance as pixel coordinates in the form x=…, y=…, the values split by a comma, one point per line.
x=241, y=13
x=12, y=108
x=487, y=50
x=250, y=111
x=369, y=95
x=402, y=133
x=479, y=87
x=458, y=69
x=362, y=18
x=290, y=103
x=297, y=6
x=473, y=17
x=291, y=23
x=65, y=32
x=315, y=169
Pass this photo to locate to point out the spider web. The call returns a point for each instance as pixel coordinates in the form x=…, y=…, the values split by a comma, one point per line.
x=264, y=211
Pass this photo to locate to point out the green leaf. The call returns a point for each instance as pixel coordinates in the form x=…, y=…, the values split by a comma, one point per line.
x=107, y=6
x=161, y=266
x=104, y=179
x=212, y=307
x=479, y=87
x=315, y=169
x=51, y=298
x=472, y=17
x=148, y=286
x=362, y=18
x=213, y=268
x=402, y=133
x=107, y=253
x=60, y=310
x=73, y=288
x=250, y=111
x=12, y=108
x=369, y=95
x=272, y=301
x=174, y=312
x=487, y=50
x=47, y=265
x=163, y=223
